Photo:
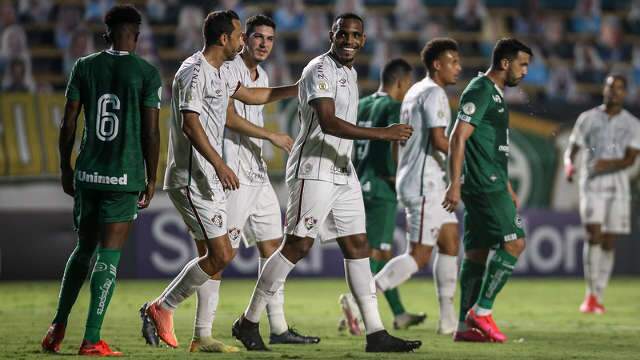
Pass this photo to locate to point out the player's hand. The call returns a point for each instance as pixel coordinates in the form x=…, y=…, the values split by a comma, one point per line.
x=451, y=198
x=569, y=171
x=227, y=177
x=282, y=140
x=397, y=132
x=145, y=197
x=67, y=182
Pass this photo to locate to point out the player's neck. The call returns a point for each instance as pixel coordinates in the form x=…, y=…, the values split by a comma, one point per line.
x=337, y=59
x=251, y=63
x=392, y=91
x=123, y=46
x=612, y=109
x=436, y=79
x=214, y=55
x=497, y=77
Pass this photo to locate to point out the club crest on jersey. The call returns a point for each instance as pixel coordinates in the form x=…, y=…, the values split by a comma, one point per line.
x=310, y=222
x=518, y=221
x=218, y=92
x=440, y=114
x=343, y=82
x=217, y=220
x=307, y=168
x=234, y=235
x=322, y=85
x=469, y=108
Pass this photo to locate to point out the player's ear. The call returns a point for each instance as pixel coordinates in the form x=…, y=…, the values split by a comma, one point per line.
x=364, y=40
x=331, y=36
x=504, y=64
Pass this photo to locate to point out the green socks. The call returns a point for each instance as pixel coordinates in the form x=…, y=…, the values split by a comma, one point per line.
x=392, y=295
x=500, y=269
x=74, y=274
x=471, y=274
x=103, y=281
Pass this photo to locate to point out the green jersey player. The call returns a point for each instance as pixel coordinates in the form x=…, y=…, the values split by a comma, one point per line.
x=376, y=163
x=478, y=156
x=115, y=172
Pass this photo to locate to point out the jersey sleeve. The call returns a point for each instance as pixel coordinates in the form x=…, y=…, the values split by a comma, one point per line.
x=635, y=140
x=435, y=110
x=578, y=132
x=473, y=104
x=393, y=116
x=73, y=87
x=233, y=78
x=191, y=89
x=152, y=91
x=319, y=82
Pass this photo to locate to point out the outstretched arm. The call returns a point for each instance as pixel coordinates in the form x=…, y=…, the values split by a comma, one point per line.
x=239, y=124
x=65, y=143
x=603, y=166
x=259, y=96
x=461, y=132
x=332, y=125
x=193, y=130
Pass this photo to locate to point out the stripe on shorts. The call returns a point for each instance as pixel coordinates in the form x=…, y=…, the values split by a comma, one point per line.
x=421, y=220
x=204, y=231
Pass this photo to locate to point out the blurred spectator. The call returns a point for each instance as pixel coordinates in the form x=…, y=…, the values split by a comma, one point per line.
x=529, y=20
x=588, y=65
x=553, y=44
x=146, y=48
x=66, y=23
x=562, y=84
x=383, y=52
x=34, y=10
x=469, y=15
x=13, y=43
x=432, y=29
x=7, y=14
x=410, y=15
x=493, y=29
x=538, y=73
x=314, y=36
x=94, y=10
x=278, y=68
x=636, y=63
x=17, y=76
x=162, y=11
x=633, y=17
x=234, y=5
x=610, y=46
x=349, y=6
x=189, y=31
x=378, y=29
x=81, y=45
x=586, y=17
x=289, y=15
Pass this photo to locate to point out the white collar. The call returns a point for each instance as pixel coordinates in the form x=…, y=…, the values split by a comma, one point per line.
x=116, y=52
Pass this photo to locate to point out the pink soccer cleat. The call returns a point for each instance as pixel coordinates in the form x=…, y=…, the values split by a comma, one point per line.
x=486, y=325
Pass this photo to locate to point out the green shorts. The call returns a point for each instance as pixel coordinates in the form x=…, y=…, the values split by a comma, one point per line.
x=97, y=206
x=381, y=222
x=490, y=219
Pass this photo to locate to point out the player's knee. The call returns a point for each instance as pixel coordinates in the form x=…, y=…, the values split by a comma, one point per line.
x=421, y=254
x=594, y=236
x=297, y=250
x=516, y=247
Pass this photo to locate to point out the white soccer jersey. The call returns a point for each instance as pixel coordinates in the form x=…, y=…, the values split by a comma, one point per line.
x=604, y=137
x=243, y=154
x=201, y=88
x=420, y=166
x=316, y=155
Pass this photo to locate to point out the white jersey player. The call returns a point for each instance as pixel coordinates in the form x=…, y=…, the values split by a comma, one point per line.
x=610, y=137
x=421, y=182
x=253, y=210
x=197, y=177
x=324, y=191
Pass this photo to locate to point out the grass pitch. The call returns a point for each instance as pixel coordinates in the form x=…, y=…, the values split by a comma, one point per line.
x=540, y=316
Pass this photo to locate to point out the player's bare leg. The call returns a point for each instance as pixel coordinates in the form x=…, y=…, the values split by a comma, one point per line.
x=196, y=273
x=445, y=276
x=280, y=332
x=591, y=260
x=499, y=270
x=75, y=273
x=355, y=249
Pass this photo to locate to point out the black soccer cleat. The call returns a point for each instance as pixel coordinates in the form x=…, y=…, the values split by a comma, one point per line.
x=148, y=329
x=292, y=336
x=249, y=334
x=381, y=341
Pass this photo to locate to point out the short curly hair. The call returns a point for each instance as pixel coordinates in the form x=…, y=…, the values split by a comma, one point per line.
x=122, y=14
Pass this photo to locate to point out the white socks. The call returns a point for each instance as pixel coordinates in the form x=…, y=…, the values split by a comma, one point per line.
x=362, y=286
x=397, y=271
x=275, y=306
x=271, y=279
x=605, y=268
x=184, y=285
x=590, y=262
x=207, y=295
x=445, y=274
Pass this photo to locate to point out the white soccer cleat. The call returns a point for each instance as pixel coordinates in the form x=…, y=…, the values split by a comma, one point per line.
x=351, y=314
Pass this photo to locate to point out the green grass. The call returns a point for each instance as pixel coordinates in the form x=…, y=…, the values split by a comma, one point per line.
x=540, y=317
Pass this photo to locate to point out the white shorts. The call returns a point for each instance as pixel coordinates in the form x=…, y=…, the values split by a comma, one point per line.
x=321, y=207
x=253, y=214
x=204, y=215
x=425, y=216
x=613, y=214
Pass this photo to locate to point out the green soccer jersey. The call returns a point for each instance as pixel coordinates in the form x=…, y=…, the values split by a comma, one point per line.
x=374, y=159
x=112, y=88
x=487, y=149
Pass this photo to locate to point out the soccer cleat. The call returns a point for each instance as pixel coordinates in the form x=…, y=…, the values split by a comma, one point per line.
x=148, y=330
x=291, y=336
x=209, y=344
x=406, y=320
x=381, y=341
x=249, y=334
x=163, y=322
x=486, y=325
x=100, y=348
x=351, y=313
x=470, y=335
x=53, y=338
x=445, y=329
x=590, y=305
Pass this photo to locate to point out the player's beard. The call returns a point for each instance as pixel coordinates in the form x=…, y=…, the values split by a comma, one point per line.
x=512, y=80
